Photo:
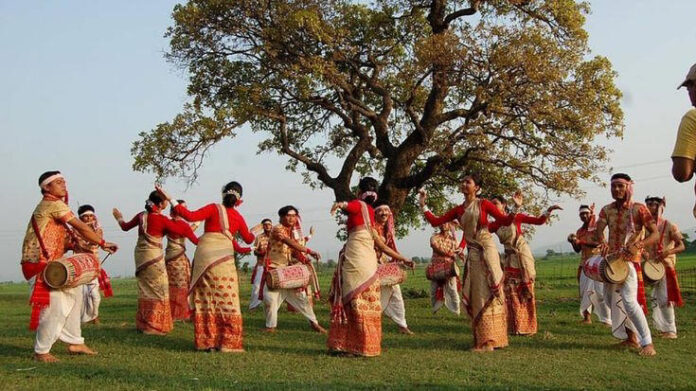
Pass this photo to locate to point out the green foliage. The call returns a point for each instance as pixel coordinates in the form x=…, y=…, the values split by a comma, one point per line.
x=414, y=92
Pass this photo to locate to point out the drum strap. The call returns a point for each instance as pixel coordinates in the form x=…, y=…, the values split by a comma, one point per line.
x=40, y=295
x=35, y=227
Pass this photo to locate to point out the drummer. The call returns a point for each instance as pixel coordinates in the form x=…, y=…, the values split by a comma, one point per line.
x=628, y=222
x=56, y=314
x=666, y=293
x=280, y=251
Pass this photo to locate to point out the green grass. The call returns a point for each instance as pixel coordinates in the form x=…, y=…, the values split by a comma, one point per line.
x=563, y=355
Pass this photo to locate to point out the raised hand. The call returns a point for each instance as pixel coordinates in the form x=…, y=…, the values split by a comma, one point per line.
x=517, y=198
x=117, y=214
x=163, y=192
x=552, y=208
x=422, y=197
x=311, y=230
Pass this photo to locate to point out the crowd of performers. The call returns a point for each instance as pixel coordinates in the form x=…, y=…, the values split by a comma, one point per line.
x=497, y=292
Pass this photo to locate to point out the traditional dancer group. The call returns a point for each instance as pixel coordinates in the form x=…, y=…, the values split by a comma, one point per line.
x=497, y=294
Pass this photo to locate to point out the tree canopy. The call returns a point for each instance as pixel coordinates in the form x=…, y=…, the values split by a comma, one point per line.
x=413, y=92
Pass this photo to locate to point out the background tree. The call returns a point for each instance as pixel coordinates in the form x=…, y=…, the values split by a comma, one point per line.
x=413, y=92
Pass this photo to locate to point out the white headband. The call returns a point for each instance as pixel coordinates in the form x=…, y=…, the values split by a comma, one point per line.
x=86, y=213
x=50, y=179
x=583, y=210
x=383, y=207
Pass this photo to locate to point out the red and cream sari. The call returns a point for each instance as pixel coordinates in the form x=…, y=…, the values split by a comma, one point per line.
x=179, y=273
x=214, y=294
x=154, y=313
x=356, y=313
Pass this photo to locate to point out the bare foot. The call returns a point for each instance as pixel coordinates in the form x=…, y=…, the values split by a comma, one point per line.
x=628, y=343
x=95, y=321
x=81, y=349
x=269, y=330
x=405, y=330
x=228, y=350
x=317, y=327
x=46, y=357
x=482, y=349
x=667, y=335
x=587, y=318
x=647, y=351
x=586, y=321
x=152, y=332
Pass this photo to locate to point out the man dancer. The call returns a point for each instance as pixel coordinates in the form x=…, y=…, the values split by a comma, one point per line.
x=56, y=313
x=281, y=248
x=260, y=248
x=685, y=147
x=591, y=291
x=627, y=222
x=665, y=292
x=391, y=298
x=90, y=290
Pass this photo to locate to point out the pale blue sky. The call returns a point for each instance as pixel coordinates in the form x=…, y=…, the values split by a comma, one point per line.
x=80, y=79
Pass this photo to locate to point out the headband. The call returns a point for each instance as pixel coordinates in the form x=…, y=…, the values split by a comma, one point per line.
x=50, y=179
x=385, y=206
x=368, y=194
x=584, y=209
x=86, y=213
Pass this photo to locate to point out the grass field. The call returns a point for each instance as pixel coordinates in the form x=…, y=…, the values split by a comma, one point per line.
x=563, y=355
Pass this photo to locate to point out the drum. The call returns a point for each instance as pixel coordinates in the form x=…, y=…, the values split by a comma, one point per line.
x=440, y=271
x=289, y=277
x=69, y=272
x=653, y=271
x=612, y=270
x=390, y=274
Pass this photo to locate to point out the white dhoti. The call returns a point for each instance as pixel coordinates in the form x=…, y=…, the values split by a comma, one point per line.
x=257, y=274
x=450, y=296
x=393, y=304
x=626, y=312
x=592, y=299
x=91, y=298
x=273, y=299
x=662, y=308
x=60, y=320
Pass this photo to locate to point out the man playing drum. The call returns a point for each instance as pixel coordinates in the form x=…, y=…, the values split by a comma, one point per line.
x=390, y=296
x=445, y=248
x=56, y=313
x=592, y=298
x=281, y=249
x=260, y=248
x=666, y=291
x=627, y=222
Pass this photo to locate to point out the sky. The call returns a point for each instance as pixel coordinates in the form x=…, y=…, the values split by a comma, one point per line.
x=80, y=79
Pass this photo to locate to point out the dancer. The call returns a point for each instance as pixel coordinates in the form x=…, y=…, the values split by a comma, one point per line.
x=214, y=295
x=520, y=271
x=666, y=293
x=281, y=248
x=356, y=313
x=482, y=293
x=55, y=313
x=90, y=290
x=445, y=248
x=178, y=268
x=627, y=222
x=154, y=314
x=260, y=248
x=391, y=299
x=592, y=293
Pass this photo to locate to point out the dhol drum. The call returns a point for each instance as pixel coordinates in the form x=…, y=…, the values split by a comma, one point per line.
x=653, y=271
x=69, y=272
x=289, y=277
x=440, y=271
x=390, y=274
x=611, y=270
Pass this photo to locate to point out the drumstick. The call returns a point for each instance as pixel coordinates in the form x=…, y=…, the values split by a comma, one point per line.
x=105, y=258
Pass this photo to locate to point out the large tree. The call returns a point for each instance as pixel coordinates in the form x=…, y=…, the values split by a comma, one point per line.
x=414, y=92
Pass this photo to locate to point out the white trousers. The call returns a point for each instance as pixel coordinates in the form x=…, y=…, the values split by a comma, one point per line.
x=273, y=299
x=625, y=310
x=60, y=320
x=393, y=304
x=256, y=287
x=451, y=296
x=92, y=298
x=592, y=299
x=662, y=309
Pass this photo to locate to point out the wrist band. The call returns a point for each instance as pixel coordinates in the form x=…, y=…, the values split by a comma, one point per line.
x=425, y=209
x=102, y=242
